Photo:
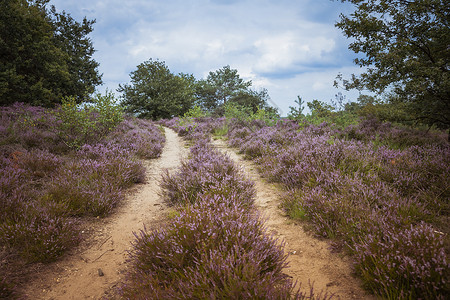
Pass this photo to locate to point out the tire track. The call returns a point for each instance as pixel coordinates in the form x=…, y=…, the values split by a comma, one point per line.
x=97, y=265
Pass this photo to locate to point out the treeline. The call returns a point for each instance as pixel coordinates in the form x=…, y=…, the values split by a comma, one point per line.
x=46, y=56
x=157, y=93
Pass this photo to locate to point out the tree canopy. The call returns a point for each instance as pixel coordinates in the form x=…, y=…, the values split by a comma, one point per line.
x=44, y=55
x=226, y=86
x=407, y=50
x=155, y=92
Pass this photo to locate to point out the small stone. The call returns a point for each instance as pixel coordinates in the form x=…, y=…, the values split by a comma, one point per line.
x=100, y=272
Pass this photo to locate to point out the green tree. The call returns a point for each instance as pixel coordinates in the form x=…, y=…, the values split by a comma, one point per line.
x=32, y=68
x=225, y=86
x=407, y=51
x=157, y=93
x=219, y=87
x=72, y=37
x=40, y=62
x=297, y=113
x=252, y=100
x=320, y=109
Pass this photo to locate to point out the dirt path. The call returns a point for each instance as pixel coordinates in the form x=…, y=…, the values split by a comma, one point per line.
x=97, y=267
x=310, y=258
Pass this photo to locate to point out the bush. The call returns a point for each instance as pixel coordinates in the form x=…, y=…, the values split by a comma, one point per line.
x=47, y=187
x=88, y=125
x=214, y=248
x=356, y=185
x=207, y=173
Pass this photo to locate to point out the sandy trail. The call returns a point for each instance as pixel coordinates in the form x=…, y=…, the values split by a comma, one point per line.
x=94, y=269
x=98, y=265
x=310, y=259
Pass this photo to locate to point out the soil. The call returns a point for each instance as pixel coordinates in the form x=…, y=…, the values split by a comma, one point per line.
x=311, y=260
x=98, y=266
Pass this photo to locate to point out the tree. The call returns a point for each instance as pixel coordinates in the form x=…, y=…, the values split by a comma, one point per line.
x=297, y=113
x=156, y=93
x=407, y=51
x=251, y=99
x=71, y=37
x=225, y=86
x=40, y=62
x=219, y=87
x=320, y=109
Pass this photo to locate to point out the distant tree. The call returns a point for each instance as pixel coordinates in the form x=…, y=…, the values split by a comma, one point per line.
x=225, y=86
x=251, y=99
x=407, y=51
x=219, y=87
x=320, y=109
x=297, y=113
x=44, y=55
x=156, y=93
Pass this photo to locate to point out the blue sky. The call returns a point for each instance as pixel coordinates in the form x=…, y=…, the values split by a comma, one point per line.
x=289, y=47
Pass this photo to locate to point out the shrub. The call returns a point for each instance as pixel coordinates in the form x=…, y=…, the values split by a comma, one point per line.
x=206, y=173
x=412, y=258
x=371, y=182
x=88, y=125
x=214, y=248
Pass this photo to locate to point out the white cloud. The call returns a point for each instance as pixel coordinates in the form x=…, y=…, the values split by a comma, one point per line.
x=289, y=47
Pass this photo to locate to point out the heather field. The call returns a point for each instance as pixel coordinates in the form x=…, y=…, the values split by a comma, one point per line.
x=58, y=169
x=379, y=192
x=217, y=245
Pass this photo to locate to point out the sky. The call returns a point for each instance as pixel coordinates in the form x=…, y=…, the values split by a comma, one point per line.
x=289, y=47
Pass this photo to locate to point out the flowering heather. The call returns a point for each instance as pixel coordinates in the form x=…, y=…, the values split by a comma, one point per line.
x=193, y=129
x=217, y=247
x=213, y=249
x=46, y=186
x=140, y=137
x=372, y=130
x=412, y=258
x=208, y=172
x=372, y=182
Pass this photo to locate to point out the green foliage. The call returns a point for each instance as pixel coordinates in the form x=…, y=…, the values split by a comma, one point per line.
x=76, y=126
x=109, y=114
x=406, y=47
x=157, y=93
x=268, y=116
x=225, y=86
x=44, y=55
x=219, y=87
x=71, y=37
x=195, y=112
x=320, y=109
x=235, y=111
x=252, y=99
x=297, y=113
x=245, y=114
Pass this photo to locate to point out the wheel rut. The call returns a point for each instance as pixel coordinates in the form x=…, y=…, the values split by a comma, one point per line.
x=310, y=259
x=97, y=266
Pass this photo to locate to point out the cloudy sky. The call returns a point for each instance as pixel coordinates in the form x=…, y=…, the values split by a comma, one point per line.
x=289, y=47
